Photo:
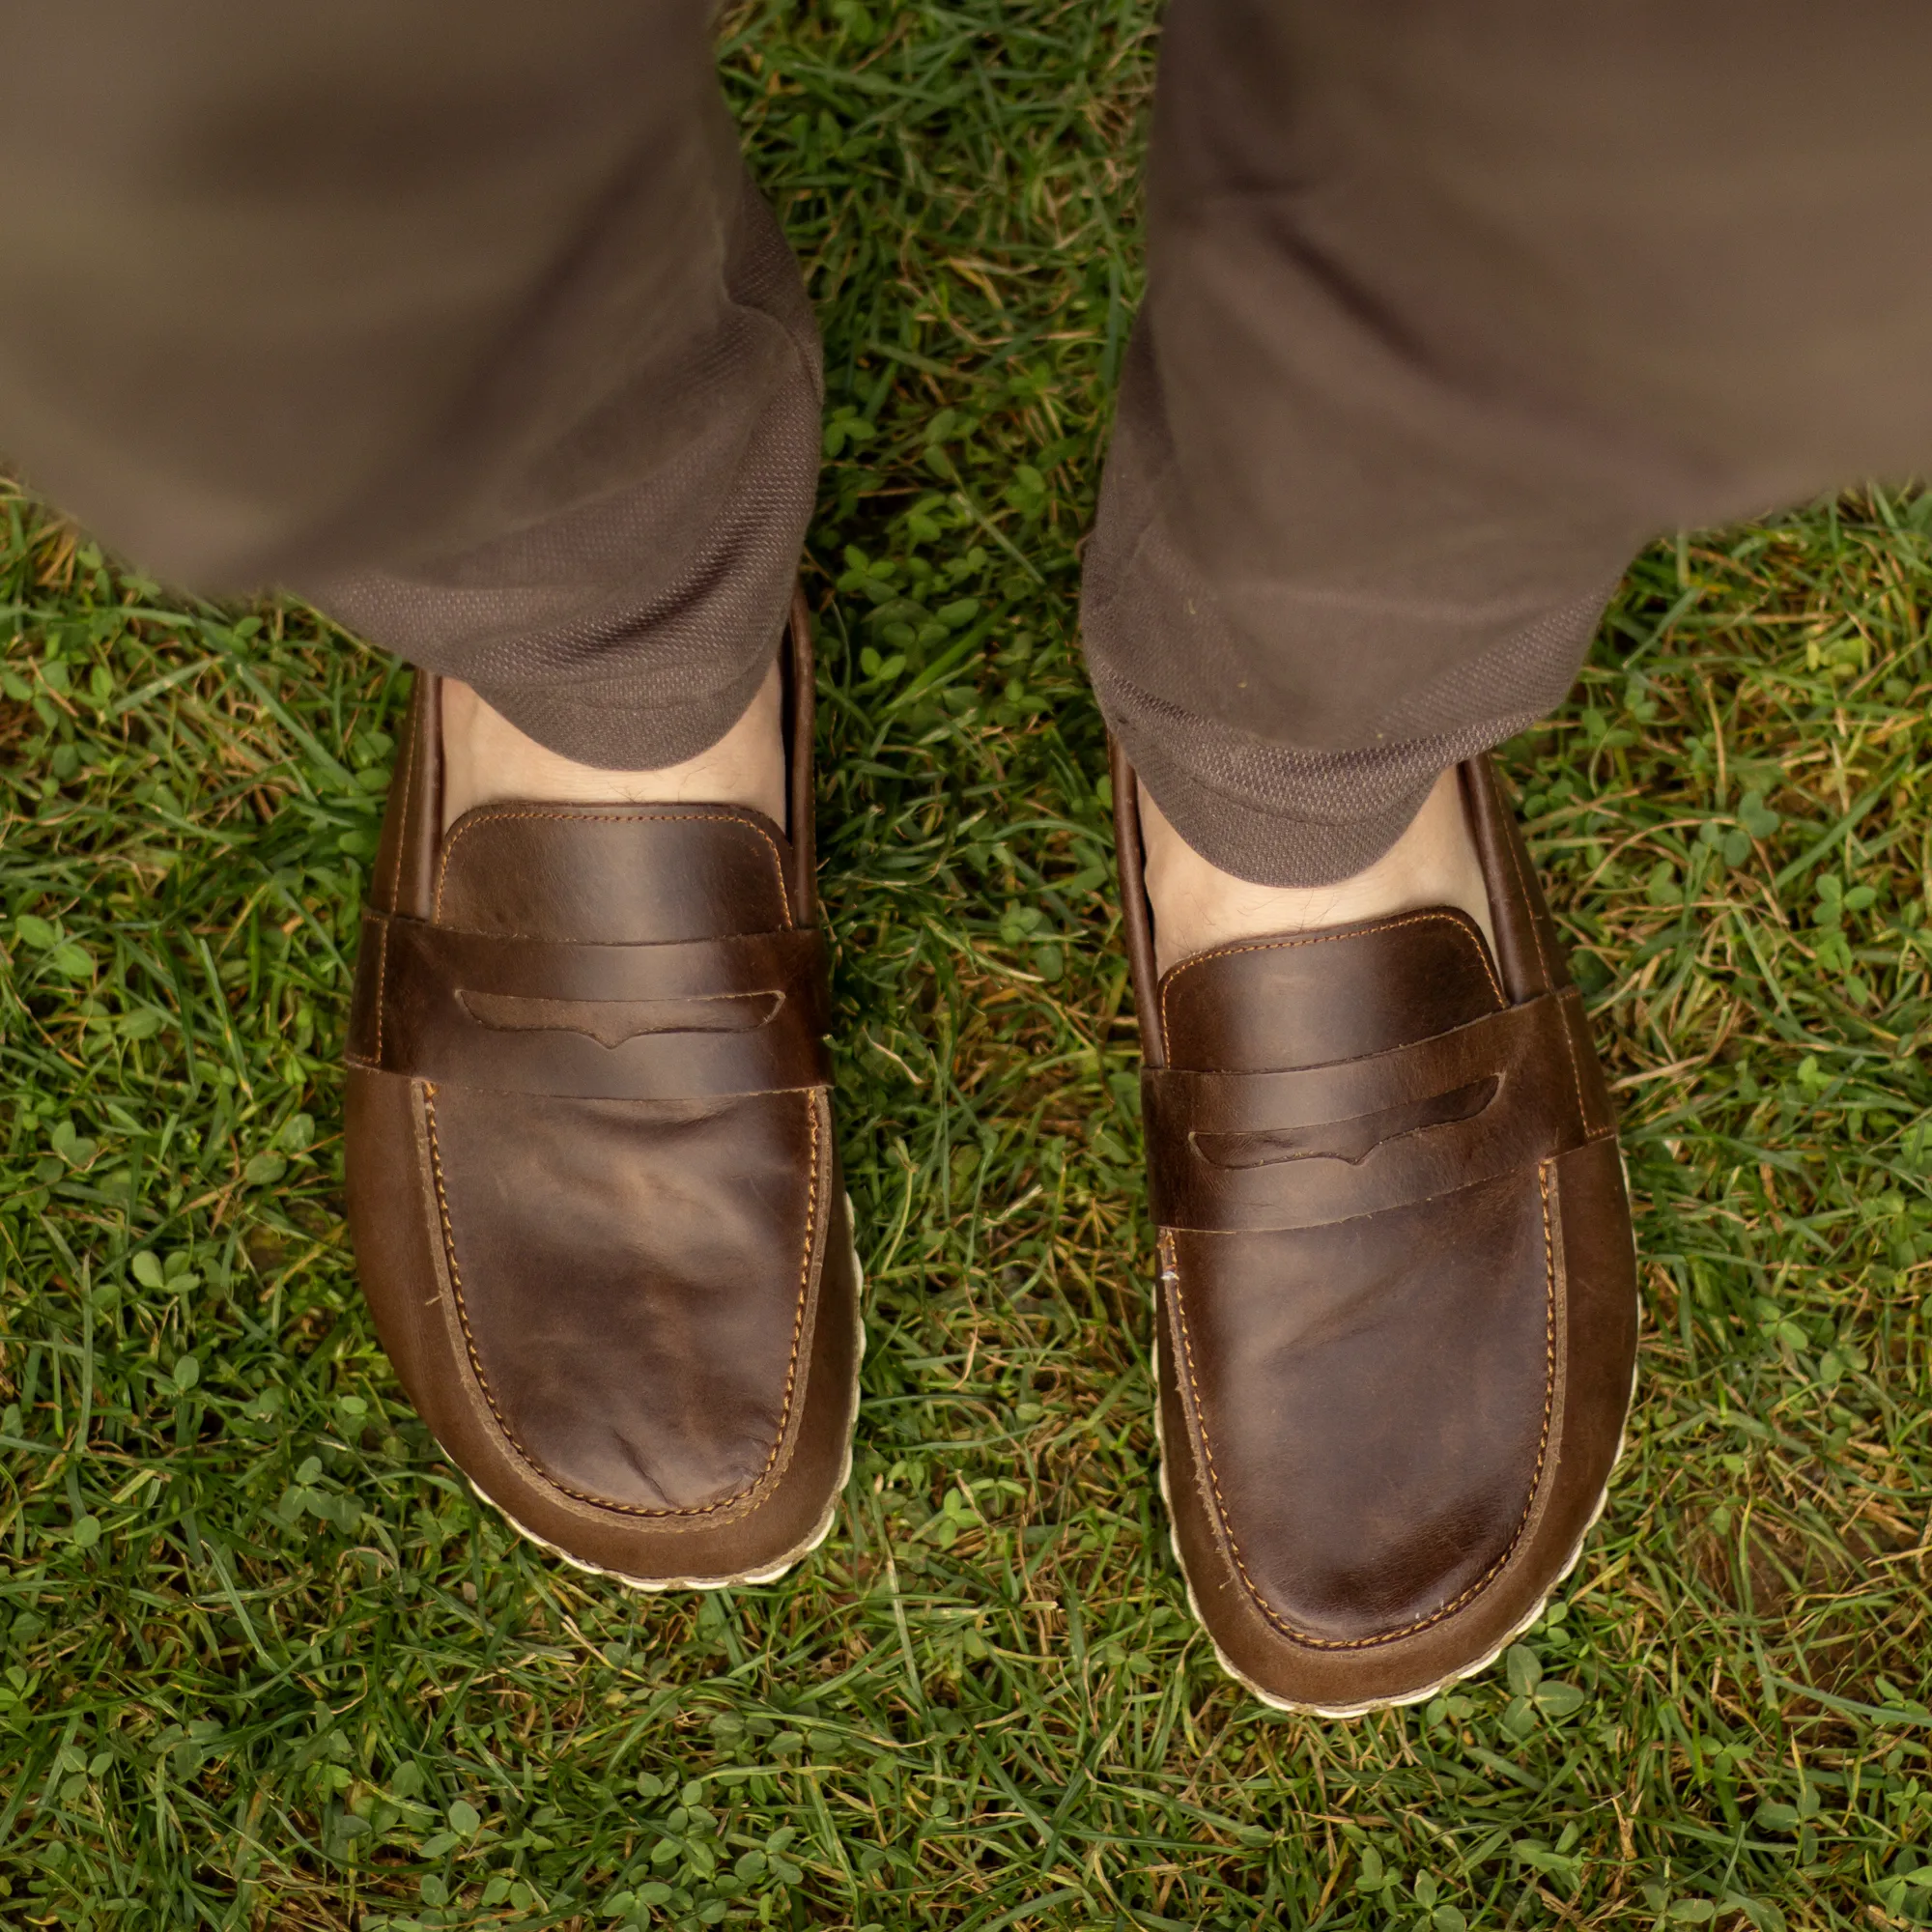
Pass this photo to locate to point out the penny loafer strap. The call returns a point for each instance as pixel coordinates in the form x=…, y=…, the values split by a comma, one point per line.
x=1230, y=1151
x=690, y=1020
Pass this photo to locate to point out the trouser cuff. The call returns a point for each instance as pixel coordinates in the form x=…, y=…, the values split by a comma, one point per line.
x=1308, y=842
x=1278, y=815
x=628, y=622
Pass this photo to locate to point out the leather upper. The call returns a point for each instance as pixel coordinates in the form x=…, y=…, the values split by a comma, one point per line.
x=593, y=1180
x=688, y=978
x=1383, y=1167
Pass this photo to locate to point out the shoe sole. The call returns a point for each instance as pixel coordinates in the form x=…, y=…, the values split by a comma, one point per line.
x=653, y=1586
x=1370, y=1705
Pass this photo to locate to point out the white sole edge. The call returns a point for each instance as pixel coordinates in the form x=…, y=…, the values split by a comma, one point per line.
x=1343, y=1712
x=745, y=1578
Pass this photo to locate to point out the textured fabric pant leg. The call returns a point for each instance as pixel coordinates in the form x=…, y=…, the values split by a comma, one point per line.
x=460, y=317
x=1451, y=308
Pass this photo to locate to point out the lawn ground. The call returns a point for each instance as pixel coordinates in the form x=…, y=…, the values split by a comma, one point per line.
x=265, y=1662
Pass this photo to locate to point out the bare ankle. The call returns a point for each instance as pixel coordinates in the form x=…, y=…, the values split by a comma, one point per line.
x=487, y=758
x=1197, y=906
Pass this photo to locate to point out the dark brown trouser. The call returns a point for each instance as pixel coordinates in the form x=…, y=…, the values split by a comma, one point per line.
x=462, y=320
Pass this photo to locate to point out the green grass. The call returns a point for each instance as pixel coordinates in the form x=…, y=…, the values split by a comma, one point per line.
x=267, y=1663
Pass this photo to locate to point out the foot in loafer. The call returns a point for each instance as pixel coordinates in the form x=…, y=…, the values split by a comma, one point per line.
x=1396, y=1311
x=592, y=1182
x=1198, y=907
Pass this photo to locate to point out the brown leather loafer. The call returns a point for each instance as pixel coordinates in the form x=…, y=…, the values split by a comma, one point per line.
x=592, y=1184
x=1396, y=1317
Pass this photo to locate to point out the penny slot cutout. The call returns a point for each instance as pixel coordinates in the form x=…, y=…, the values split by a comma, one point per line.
x=1352, y=1140
x=612, y=1022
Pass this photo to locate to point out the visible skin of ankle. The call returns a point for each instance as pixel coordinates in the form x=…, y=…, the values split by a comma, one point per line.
x=1197, y=906
x=485, y=757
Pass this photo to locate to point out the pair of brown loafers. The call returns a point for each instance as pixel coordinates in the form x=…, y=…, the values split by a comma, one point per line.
x=597, y=1207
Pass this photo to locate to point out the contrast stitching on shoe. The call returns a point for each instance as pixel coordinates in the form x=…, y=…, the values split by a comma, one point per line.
x=1318, y=939
x=374, y=1062
x=395, y=892
x=1489, y=1576
x=403, y=823
x=1543, y=961
x=1576, y=1071
x=486, y=817
x=536, y=1468
x=1509, y=845
x=382, y=983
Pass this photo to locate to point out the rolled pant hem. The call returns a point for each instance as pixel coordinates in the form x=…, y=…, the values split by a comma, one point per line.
x=1268, y=849
x=615, y=736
